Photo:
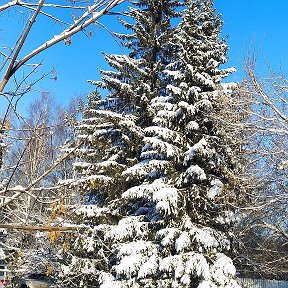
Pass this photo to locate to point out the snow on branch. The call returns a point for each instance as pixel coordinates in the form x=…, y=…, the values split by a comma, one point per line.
x=90, y=15
x=73, y=29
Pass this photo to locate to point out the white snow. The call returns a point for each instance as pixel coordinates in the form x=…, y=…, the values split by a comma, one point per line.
x=126, y=228
x=185, y=279
x=183, y=241
x=110, y=163
x=142, y=191
x=194, y=91
x=147, y=168
x=180, y=268
x=223, y=269
x=228, y=87
x=112, y=284
x=174, y=90
x=207, y=284
x=187, y=223
x=194, y=172
x=169, y=263
x=89, y=244
x=204, y=237
x=230, y=70
x=65, y=269
x=197, y=265
x=150, y=267
x=164, y=195
x=137, y=247
x=204, y=79
x=166, y=199
x=163, y=133
x=83, y=165
x=199, y=148
x=162, y=146
x=168, y=235
x=129, y=265
x=65, y=182
x=192, y=126
x=174, y=74
x=216, y=189
x=2, y=254
x=105, y=277
x=18, y=188
x=188, y=107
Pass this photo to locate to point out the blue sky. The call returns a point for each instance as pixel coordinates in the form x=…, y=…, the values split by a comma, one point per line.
x=250, y=24
x=256, y=25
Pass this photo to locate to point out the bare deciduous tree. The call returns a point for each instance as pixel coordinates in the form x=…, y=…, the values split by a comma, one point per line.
x=264, y=226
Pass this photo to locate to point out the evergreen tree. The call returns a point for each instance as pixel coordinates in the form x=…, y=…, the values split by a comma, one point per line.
x=168, y=218
x=111, y=133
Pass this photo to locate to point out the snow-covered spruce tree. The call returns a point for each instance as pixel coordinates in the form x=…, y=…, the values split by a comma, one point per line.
x=194, y=241
x=175, y=230
x=112, y=132
x=163, y=222
x=104, y=137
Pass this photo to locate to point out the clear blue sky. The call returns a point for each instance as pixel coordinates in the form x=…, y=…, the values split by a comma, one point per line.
x=255, y=24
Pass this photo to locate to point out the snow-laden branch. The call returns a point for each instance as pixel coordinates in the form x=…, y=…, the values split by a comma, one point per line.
x=69, y=32
x=89, y=17
x=8, y=5
x=48, y=5
x=46, y=14
x=76, y=27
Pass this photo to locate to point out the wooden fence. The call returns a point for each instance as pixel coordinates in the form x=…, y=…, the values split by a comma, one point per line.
x=262, y=283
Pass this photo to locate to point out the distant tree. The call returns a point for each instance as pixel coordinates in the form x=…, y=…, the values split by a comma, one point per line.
x=163, y=219
x=33, y=147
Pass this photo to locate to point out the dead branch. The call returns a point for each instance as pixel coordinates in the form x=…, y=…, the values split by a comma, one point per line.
x=38, y=228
